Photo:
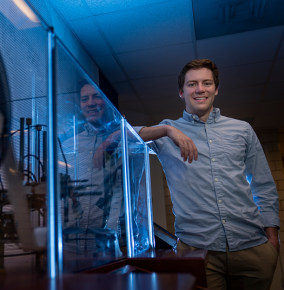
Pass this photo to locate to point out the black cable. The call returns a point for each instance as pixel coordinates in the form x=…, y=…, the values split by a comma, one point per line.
x=32, y=155
x=28, y=175
x=65, y=160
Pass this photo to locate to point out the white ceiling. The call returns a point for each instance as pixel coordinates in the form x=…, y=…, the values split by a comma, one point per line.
x=141, y=45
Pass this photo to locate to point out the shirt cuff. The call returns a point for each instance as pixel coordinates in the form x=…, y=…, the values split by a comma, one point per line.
x=138, y=128
x=270, y=220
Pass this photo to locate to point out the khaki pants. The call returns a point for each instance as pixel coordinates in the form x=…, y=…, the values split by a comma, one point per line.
x=247, y=269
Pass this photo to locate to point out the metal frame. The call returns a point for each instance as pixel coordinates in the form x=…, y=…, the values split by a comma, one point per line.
x=126, y=189
x=149, y=197
x=54, y=217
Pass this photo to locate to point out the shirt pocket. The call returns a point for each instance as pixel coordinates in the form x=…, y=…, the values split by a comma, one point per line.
x=235, y=147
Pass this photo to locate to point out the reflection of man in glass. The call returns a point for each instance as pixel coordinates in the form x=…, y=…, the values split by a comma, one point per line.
x=91, y=201
x=92, y=105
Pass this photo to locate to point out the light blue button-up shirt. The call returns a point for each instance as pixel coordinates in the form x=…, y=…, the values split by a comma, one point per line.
x=228, y=195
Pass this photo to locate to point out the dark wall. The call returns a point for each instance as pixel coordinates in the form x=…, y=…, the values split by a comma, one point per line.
x=108, y=90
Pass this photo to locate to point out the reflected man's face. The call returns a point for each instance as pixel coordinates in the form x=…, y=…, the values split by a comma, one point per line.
x=92, y=104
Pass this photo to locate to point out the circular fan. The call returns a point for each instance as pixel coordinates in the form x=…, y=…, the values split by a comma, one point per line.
x=5, y=111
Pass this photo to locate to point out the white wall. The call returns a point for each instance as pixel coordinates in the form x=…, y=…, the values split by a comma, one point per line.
x=158, y=197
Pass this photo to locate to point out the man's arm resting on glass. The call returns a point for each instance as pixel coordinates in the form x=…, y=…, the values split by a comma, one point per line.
x=188, y=149
x=272, y=235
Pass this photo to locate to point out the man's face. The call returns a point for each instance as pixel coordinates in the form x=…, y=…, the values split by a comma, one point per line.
x=92, y=104
x=199, y=91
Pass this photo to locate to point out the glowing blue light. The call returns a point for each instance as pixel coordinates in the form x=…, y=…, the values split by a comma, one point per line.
x=249, y=178
x=126, y=189
x=149, y=198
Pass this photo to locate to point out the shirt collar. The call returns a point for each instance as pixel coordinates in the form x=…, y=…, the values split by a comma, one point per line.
x=92, y=131
x=192, y=118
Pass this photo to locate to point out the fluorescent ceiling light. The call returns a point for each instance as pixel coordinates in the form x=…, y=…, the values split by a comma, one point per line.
x=23, y=6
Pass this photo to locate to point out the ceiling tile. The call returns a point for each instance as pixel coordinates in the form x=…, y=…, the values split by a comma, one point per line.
x=214, y=18
x=239, y=111
x=110, y=67
x=241, y=48
x=125, y=91
x=107, y=6
x=243, y=95
x=157, y=87
x=244, y=75
x=150, y=26
x=155, y=62
x=90, y=36
x=277, y=74
x=274, y=91
x=72, y=9
x=165, y=105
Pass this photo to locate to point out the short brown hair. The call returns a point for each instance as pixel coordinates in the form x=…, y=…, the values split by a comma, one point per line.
x=198, y=64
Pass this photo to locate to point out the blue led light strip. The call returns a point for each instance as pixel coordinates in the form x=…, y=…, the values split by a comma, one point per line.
x=149, y=198
x=54, y=219
x=126, y=190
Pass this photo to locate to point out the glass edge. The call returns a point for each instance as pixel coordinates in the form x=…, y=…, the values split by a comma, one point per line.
x=43, y=23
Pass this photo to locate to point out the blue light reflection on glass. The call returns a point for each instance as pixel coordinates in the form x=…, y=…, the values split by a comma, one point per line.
x=51, y=193
x=54, y=223
x=126, y=189
x=149, y=198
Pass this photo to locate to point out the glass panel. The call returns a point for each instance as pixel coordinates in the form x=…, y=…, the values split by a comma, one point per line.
x=90, y=164
x=23, y=49
x=138, y=191
x=89, y=157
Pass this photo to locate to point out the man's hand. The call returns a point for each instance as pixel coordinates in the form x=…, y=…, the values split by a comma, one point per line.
x=272, y=235
x=186, y=145
x=99, y=157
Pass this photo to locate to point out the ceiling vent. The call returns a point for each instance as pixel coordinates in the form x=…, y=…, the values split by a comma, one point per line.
x=236, y=10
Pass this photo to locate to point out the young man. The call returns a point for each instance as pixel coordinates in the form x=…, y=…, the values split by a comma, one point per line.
x=224, y=197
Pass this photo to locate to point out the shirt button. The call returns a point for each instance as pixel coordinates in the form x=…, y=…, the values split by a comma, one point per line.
x=213, y=159
x=223, y=221
x=206, y=125
x=219, y=200
x=210, y=141
x=91, y=152
x=216, y=179
x=193, y=117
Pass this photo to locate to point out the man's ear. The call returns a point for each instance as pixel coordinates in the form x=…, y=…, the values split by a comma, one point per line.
x=181, y=94
x=216, y=91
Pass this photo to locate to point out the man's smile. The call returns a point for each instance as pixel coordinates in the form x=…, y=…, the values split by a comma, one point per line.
x=93, y=111
x=200, y=99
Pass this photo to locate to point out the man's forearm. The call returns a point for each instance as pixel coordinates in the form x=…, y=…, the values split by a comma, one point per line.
x=154, y=133
x=188, y=149
x=271, y=232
